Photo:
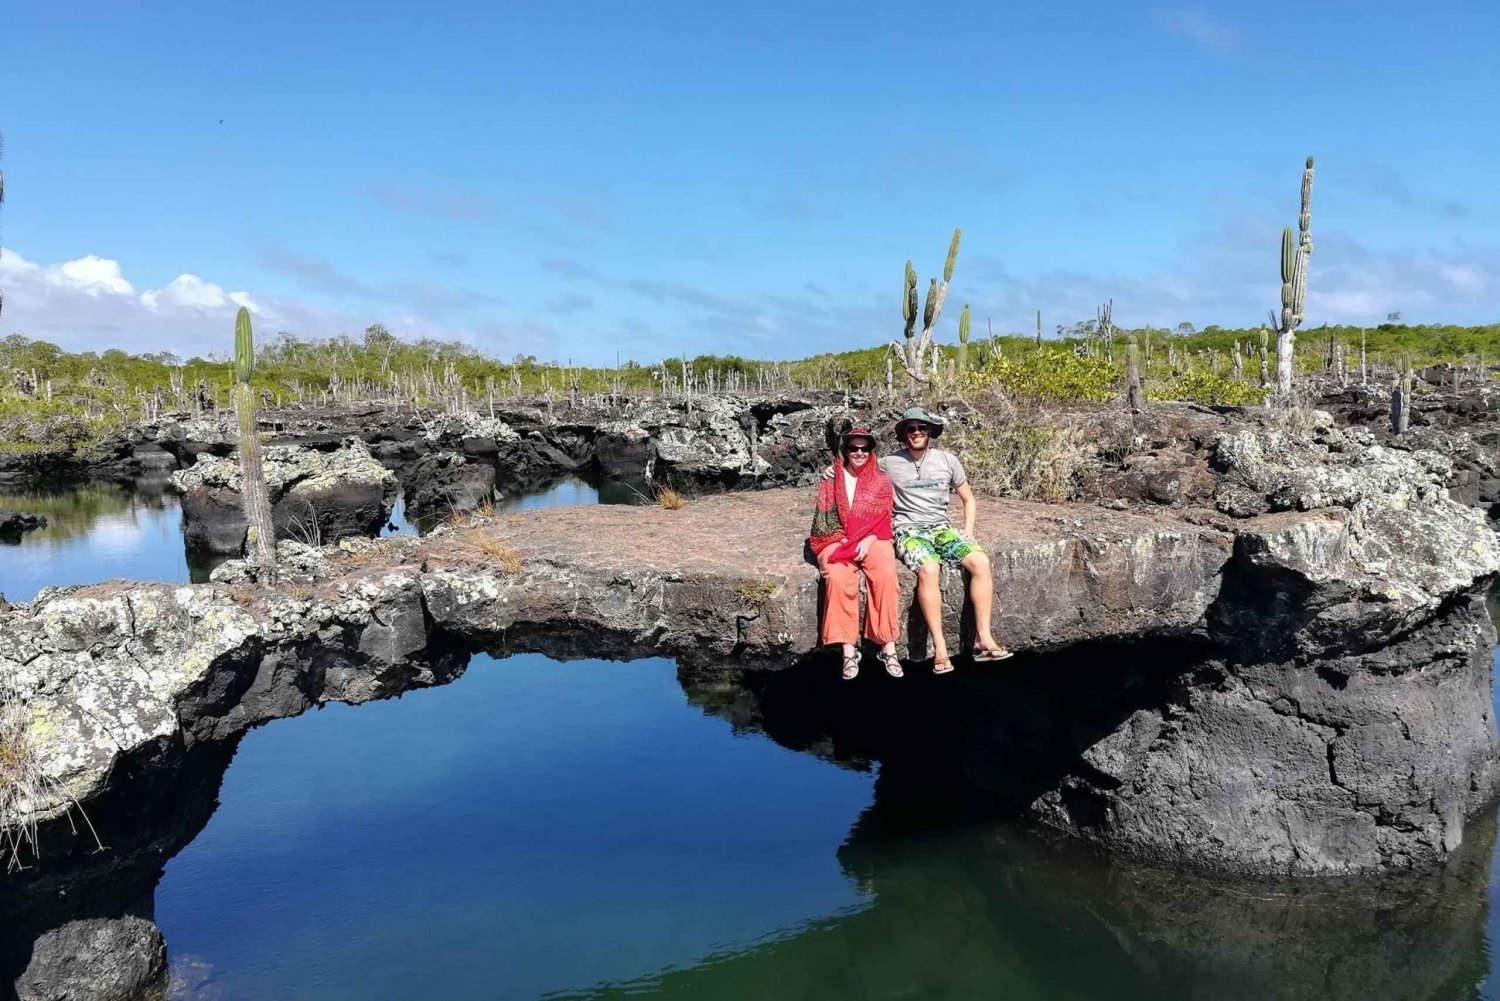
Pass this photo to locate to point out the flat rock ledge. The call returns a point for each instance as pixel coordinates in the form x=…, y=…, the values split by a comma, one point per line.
x=1338, y=719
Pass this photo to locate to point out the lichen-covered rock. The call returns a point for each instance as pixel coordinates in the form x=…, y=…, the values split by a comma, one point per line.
x=295, y=561
x=315, y=495
x=1335, y=717
x=694, y=443
x=793, y=448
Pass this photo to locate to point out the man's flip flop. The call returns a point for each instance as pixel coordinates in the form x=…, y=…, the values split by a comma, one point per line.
x=990, y=656
x=942, y=666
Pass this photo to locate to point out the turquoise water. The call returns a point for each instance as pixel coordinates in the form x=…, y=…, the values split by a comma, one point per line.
x=588, y=829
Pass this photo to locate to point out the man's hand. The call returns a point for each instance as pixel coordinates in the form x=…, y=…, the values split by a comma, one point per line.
x=828, y=472
x=863, y=548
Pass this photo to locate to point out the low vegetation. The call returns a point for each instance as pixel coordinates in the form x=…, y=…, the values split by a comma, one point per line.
x=503, y=557
x=55, y=401
x=1026, y=451
x=668, y=498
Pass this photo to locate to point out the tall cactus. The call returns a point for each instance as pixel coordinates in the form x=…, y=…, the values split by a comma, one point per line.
x=963, y=340
x=261, y=540
x=1135, y=396
x=1264, y=351
x=1039, y=330
x=1294, y=255
x=913, y=355
x=1401, y=397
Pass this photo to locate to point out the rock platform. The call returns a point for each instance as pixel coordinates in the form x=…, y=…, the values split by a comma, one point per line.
x=1298, y=676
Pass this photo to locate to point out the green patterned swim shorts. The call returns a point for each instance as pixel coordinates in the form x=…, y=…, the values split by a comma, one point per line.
x=919, y=544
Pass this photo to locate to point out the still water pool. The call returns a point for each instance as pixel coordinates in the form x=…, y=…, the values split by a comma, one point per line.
x=598, y=830
x=104, y=531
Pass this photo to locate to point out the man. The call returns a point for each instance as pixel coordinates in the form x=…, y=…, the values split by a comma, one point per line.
x=923, y=478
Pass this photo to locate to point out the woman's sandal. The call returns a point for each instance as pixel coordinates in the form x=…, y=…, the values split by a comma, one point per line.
x=983, y=656
x=851, y=666
x=892, y=665
x=942, y=666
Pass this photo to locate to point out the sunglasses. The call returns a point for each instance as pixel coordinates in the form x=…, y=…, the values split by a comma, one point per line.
x=858, y=448
x=915, y=429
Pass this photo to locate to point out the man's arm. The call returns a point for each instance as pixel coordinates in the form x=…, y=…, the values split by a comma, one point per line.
x=971, y=507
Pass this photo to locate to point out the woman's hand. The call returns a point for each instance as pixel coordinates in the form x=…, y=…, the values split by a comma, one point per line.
x=863, y=548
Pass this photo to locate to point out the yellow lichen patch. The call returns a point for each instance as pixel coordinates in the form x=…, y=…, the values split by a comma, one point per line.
x=756, y=592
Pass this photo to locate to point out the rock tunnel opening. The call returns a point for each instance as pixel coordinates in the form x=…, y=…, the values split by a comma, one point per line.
x=990, y=740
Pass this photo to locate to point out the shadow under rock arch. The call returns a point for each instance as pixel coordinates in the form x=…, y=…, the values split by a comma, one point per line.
x=962, y=909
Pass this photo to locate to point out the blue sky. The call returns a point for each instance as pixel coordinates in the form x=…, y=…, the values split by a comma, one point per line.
x=574, y=180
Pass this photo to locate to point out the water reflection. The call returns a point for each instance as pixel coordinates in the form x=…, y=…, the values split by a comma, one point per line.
x=566, y=830
x=97, y=532
x=1001, y=912
x=102, y=531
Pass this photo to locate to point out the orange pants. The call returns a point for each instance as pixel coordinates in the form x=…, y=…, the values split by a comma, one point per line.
x=841, y=593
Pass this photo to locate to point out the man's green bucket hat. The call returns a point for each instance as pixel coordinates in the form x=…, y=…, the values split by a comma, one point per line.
x=919, y=414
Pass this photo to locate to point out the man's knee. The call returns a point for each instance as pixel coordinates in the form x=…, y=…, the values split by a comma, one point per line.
x=929, y=573
x=977, y=562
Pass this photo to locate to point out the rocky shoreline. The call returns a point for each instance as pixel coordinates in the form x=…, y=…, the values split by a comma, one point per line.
x=1334, y=718
x=1260, y=649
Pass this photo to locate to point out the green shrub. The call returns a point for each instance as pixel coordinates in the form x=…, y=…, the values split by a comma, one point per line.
x=1203, y=386
x=1052, y=374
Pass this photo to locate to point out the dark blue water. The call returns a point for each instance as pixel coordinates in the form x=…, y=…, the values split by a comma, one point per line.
x=534, y=827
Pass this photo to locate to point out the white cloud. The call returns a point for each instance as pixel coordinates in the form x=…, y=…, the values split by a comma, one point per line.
x=88, y=304
x=1196, y=26
x=93, y=275
x=1228, y=277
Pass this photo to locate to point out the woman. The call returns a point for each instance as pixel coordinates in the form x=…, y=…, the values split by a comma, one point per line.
x=851, y=531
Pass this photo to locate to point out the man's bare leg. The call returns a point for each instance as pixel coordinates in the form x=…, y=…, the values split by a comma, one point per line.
x=930, y=601
x=982, y=594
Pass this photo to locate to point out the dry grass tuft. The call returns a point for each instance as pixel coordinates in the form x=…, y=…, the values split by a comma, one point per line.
x=1024, y=452
x=22, y=785
x=504, y=556
x=668, y=498
x=478, y=516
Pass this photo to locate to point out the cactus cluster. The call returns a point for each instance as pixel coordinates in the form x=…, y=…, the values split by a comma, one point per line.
x=1295, y=250
x=261, y=538
x=913, y=354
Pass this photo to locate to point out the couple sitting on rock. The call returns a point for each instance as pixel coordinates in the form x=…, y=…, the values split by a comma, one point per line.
x=865, y=504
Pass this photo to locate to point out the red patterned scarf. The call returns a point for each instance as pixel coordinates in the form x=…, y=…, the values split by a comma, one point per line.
x=835, y=518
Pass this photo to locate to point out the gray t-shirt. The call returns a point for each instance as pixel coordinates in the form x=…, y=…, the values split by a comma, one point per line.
x=921, y=488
